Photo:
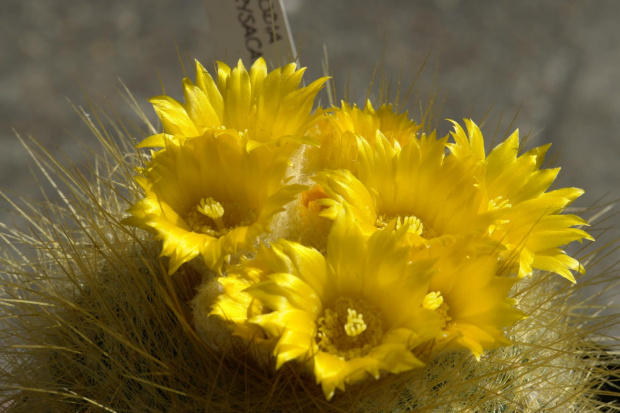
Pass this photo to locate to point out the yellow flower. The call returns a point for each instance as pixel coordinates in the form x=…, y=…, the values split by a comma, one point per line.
x=338, y=133
x=353, y=313
x=366, y=122
x=270, y=106
x=471, y=299
x=532, y=227
x=416, y=184
x=499, y=200
x=209, y=196
x=235, y=304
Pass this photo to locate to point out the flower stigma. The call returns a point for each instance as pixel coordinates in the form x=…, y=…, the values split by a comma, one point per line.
x=434, y=301
x=416, y=226
x=212, y=209
x=355, y=323
x=352, y=328
x=208, y=217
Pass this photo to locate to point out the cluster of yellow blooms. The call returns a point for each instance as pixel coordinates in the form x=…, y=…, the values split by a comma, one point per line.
x=345, y=237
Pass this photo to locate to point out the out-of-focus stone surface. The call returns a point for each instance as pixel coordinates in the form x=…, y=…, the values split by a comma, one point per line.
x=558, y=60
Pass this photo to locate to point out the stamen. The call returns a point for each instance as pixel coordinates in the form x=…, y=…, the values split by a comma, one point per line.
x=214, y=210
x=355, y=323
x=381, y=222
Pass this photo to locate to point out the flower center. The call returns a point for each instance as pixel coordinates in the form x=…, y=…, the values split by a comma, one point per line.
x=434, y=301
x=352, y=328
x=208, y=217
x=416, y=226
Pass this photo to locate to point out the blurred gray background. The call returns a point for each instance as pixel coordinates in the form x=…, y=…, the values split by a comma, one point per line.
x=557, y=59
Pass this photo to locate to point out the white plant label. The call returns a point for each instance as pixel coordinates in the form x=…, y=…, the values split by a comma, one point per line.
x=249, y=29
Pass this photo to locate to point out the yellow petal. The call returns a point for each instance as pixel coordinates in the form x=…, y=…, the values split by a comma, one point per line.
x=173, y=116
x=284, y=292
x=199, y=108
